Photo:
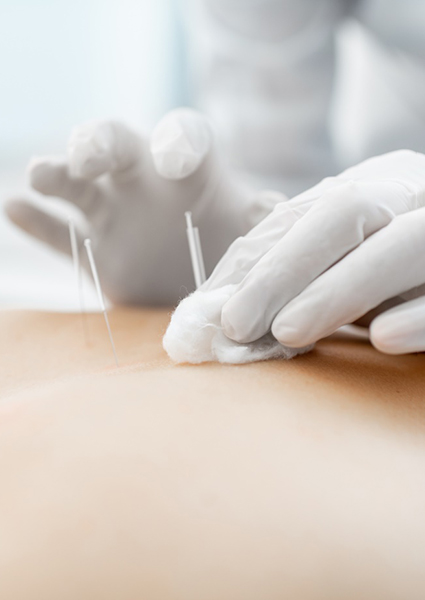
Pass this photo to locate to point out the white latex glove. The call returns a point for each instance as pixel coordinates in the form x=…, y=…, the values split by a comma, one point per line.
x=133, y=194
x=331, y=255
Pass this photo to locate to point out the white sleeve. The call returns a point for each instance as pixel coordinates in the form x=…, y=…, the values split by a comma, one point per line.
x=394, y=97
x=263, y=71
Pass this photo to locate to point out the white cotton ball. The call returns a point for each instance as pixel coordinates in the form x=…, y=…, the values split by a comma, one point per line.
x=194, y=326
x=195, y=334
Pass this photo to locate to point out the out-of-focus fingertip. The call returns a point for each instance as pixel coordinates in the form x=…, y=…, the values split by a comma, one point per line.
x=175, y=165
x=91, y=149
x=180, y=143
x=36, y=170
x=14, y=208
x=45, y=174
x=87, y=167
x=19, y=212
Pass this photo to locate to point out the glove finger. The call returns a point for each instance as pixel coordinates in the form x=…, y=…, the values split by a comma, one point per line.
x=387, y=264
x=41, y=225
x=341, y=220
x=180, y=143
x=400, y=330
x=403, y=166
x=51, y=177
x=246, y=251
x=100, y=147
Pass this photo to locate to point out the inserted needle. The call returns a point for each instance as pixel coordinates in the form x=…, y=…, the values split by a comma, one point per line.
x=77, y=273
x=195, y=251
x=87, y=244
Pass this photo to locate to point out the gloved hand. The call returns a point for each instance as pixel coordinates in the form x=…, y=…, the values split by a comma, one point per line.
x=331, y=255
x=134, y=194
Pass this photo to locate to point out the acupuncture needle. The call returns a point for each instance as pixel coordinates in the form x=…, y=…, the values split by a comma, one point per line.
x=77, y=273
x=195, y=250
x=87, y=244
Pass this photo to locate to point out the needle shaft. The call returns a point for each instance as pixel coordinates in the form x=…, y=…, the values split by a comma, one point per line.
x=87, y=244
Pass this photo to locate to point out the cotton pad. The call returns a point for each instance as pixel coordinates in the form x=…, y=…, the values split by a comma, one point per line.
x=195, y=334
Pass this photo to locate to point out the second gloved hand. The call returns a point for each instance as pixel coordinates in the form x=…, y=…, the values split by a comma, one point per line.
x=133, y=193
x=352, y=244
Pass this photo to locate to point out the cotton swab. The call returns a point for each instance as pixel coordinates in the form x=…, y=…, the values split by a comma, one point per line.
x=87, y=244
x=77, y=273
x=195, y=251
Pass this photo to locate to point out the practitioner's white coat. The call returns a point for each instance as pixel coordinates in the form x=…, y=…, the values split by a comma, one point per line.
x=264, y=71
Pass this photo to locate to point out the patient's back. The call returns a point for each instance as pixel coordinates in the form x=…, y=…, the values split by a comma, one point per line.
x=300, y=479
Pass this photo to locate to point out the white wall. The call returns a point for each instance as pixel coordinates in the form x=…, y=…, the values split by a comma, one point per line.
x=63, y=62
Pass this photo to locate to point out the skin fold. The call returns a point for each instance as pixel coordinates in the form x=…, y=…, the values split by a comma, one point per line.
x=298, y=479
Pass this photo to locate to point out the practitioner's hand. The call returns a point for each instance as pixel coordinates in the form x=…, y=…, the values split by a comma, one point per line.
x=133, y=193
x=331, y=255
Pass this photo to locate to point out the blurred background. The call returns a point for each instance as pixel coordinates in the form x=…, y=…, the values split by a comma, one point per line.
x=65, y=62
x=62, y=63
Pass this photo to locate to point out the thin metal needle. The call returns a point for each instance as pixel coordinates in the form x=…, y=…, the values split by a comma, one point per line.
x=195, y=250
x=77, y=274
x=87, y=244
x=105, y=314
x=200, y=255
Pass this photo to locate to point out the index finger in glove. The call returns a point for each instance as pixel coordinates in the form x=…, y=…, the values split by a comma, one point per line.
x=389, y=263
x=100, y=147
x=246, y=251
x=337, y=223
x=51, y=177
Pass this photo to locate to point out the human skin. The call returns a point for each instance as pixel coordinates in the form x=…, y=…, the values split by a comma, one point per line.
x=302, y=479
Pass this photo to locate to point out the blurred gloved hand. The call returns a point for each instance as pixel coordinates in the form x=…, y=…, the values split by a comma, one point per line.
x=133, y=194
x=353, y=243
